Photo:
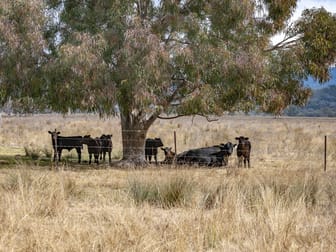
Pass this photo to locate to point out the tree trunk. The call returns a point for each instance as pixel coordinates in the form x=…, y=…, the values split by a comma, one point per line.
x=133, y=132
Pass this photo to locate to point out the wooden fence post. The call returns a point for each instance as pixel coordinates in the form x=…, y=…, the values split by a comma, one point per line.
x=325, y=153
x=174, y=160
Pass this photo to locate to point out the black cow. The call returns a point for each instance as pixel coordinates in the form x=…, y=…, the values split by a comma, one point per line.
x=169, y=155
x=209, y=156
x=227, y=150
x=94, y=147
x=106, y=141
x=70, y=142
x=151, y=146
x=243, y=151
x=183, y=158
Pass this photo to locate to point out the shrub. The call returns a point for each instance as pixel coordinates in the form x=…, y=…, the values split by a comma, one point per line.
x=15, y=181
x=32, y=152
x=47, y=152
x=172, y=193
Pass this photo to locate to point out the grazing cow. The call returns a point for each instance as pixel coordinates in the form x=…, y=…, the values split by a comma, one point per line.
x=70, y=142
x=94, y=147
x=217, y=155
x=169, y=155
x=151, y=146
x=106, y=142
x=243, y=151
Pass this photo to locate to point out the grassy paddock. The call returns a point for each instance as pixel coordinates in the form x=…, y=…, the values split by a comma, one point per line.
x=285, y=202
x=166, y=209
x=285, y=143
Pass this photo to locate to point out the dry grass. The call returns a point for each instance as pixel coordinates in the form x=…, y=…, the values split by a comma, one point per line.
x=284, y=203
x=98, y=211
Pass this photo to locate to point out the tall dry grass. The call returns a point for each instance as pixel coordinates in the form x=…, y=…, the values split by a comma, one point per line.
x=285, y=202
x=97, y=210
x=280, y=143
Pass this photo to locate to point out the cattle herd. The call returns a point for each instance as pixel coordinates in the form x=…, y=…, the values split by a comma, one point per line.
x=97, y=147
x=217, y=155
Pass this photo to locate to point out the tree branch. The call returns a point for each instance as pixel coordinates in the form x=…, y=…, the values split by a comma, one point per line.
x=286, y=43
x=177, y=116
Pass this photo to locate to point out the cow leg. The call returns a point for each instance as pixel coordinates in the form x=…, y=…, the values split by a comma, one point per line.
x=59, y=152
x=79, y=154
x=248, y=162
x=155, y=158
x=109, y=154
x=240, y=161
x=245, y=161
x=149, y=158
x=90, y=157
x=96, y=159
x=55, y=155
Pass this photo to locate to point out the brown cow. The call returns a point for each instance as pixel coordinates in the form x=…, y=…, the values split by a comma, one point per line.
x=243, y=151
x=169, y=155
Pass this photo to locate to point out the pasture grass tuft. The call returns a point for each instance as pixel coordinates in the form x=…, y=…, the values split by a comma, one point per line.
x=171, y=193
x=33, y=153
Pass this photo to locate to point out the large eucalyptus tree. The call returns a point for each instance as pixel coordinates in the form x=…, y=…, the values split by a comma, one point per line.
x=143, y=60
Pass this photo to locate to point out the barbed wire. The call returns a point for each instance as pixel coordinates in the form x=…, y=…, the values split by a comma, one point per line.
x=277, y=155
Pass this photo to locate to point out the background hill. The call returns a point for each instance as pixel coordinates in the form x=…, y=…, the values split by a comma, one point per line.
x=322, y=103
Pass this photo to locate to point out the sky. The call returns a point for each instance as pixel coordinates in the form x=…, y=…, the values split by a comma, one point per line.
x=329, y=5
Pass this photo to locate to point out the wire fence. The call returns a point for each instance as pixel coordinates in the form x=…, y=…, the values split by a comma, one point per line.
x=318, y=152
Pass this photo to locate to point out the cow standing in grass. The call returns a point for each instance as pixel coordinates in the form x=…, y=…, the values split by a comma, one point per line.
x=70, y=142
x=151, y=148
x=243, y=151
x=106, y=147
x=94, y=147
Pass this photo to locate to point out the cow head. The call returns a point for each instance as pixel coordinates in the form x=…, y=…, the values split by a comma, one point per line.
x=169, y=154
x=106, y=136
x=54, y=135
x=228, y=148
x=157, y=142
x=242, y=139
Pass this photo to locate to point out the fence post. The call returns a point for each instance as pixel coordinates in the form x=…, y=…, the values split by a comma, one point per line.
x=174, y=160
x=175, y=141
x=325, y=153
x=55, y=139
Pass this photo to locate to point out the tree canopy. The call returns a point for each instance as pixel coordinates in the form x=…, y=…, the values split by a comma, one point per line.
x=144, y=59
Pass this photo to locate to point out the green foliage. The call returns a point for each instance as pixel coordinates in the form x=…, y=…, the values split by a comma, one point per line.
x=318, y=28
x=144, y=58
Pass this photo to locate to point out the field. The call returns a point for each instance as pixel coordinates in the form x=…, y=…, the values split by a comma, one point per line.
x=285, y=202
